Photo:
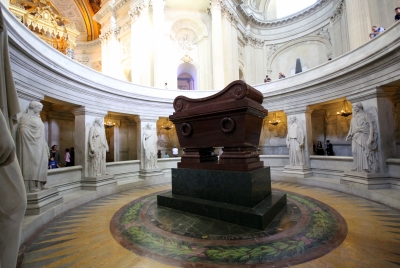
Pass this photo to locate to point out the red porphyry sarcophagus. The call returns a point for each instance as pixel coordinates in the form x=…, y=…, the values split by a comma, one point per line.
x=231, y=118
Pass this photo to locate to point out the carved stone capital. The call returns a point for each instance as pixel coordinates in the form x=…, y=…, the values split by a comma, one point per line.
x=256, y=42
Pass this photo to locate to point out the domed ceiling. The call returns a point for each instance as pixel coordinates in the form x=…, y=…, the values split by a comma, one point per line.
x=82, y=11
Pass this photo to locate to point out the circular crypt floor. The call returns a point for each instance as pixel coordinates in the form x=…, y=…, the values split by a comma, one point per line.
x=318, y=228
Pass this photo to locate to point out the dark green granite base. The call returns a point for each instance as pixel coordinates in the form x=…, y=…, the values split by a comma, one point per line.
x=233, y=187
x=257, y=217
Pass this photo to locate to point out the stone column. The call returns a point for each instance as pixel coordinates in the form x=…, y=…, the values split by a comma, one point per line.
x=145, y=45
x=146, y=173
x=204, y=77
x=135, y=13
x=303, y=117
x=114, y=49
x=235, y=48
x=104, y=54
x=228, y=45
x=249, y=61
x=216, y=42
x=359, y=22
x=379, y=105
x=160, y=70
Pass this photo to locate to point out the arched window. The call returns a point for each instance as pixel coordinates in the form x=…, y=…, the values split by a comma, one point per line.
x=187, y=76
x=185, y=82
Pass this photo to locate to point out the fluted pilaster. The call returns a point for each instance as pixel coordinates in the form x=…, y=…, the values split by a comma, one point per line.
x=217, y=48
x=359, y=22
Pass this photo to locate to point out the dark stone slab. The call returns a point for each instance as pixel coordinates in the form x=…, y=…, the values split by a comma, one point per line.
x=236, y=188
x=257, y=217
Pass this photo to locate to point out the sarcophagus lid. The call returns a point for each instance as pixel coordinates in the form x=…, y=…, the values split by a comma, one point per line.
x=230, y=118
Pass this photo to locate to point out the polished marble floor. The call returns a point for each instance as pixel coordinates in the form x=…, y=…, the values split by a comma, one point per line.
x=82, y=237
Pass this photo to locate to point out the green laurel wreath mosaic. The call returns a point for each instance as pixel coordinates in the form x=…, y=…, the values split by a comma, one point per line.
x=324, y=228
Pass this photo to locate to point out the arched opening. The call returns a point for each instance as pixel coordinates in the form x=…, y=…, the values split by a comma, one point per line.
x=187, y=76
x=185, y=82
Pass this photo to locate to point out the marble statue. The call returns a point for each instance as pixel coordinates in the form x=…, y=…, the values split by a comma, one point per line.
x=12, y=190
x=149, y=140
x=98, y=148
x=330, y=124
x=33, y=151
x=363, y=135
x=295, y=142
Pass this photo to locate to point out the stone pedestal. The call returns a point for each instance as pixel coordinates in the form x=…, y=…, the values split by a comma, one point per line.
x=150, y=174
x=244, y=198
x=365, y=180
x=42, y=201
x=298, y=171
x=96, y=183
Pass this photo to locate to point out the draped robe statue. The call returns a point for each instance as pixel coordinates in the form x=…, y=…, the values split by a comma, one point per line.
x=12, y=192
x=149, y=140
x=363, y=140
x=98, y=149
x=295, y=142
x=33, y=151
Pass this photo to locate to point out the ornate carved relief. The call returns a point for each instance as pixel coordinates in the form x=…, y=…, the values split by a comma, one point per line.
x=254, y=41
x=274, y=133
x=337, y=15
x=84, y=60
x=47, y=24
x=324, y=33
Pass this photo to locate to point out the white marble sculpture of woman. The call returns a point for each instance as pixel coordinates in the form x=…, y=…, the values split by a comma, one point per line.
x=295, y=142
x=330, y=123
x=98, y=148
x=363, y=140
x=149, y=140
x=33, y=151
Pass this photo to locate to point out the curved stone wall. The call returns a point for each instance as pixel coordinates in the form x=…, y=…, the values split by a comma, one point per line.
x=40, y=71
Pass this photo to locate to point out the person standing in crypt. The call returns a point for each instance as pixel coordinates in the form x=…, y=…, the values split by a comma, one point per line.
x=295, y=142
x=175, y=151
x=54, y=153
x=328, y=147
x=72, y=154
x=67, y=158
x=33, y=152
x=12, y=190
x=319, y=150
x=98, y=149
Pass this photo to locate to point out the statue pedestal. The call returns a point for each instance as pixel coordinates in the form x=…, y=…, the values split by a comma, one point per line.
x=365, y=180
x=298, y=171
x=243, y=198
x=39, y=202
x=148, y=174
x=96, y=183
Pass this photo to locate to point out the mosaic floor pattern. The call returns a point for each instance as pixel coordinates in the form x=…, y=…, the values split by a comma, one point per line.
x=82, y=236
x=304, y=230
